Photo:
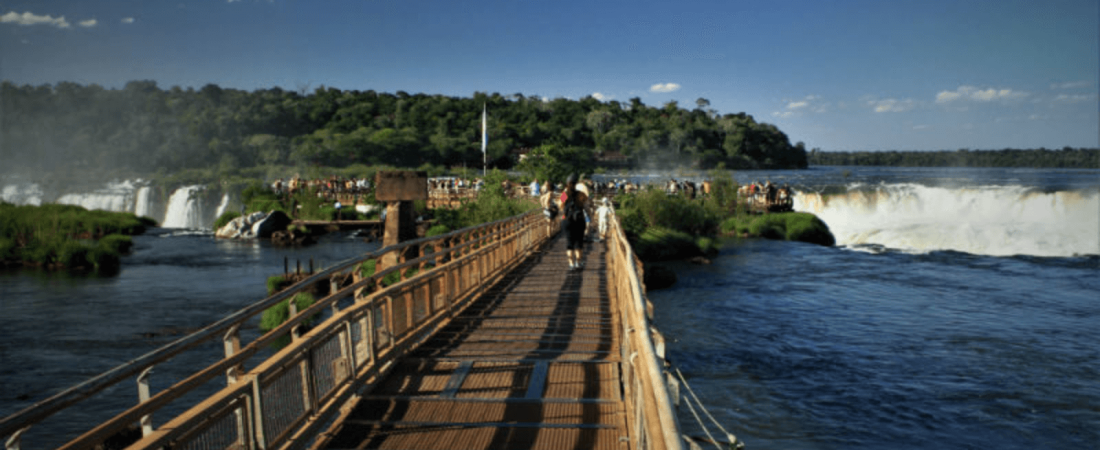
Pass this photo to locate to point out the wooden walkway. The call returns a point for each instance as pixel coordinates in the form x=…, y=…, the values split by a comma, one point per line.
x=531, y=364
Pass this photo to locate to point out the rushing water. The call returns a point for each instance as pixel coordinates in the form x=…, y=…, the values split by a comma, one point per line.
x=959, y=310
x=892, y=340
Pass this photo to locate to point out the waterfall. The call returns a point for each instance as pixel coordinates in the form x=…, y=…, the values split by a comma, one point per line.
x=994, y=220
x=222, y=206
x=116, y=196
x=143, y=204
x=185, y=209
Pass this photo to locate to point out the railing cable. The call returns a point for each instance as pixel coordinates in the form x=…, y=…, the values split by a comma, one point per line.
x=734, y=443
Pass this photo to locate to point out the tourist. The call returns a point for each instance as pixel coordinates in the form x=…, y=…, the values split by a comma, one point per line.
x=535, y=188
x=603, y=218
x=573, y=222
x=549, y=207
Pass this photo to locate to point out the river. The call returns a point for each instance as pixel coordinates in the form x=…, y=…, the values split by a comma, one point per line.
x=957, y=311
x=962, y=324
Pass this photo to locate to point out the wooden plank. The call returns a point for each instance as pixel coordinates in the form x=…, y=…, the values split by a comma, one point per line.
x=456, y=379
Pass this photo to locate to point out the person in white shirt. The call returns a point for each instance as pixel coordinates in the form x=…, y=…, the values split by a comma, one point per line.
x=603, y=217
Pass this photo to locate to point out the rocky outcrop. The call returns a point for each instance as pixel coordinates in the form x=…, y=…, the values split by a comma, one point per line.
x=255, y=225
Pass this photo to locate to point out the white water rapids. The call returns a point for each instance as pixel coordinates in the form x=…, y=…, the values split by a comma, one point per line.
x=987, y=220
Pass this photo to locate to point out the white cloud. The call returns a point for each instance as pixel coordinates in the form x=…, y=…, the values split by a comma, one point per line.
x=29, y=18
x=891, y=105
x=947, y=97
x=601, y=97
x=1071, y=85
x=979, y=95
x=1075, y=98
x=127, y=20
x=664, y=87
x=795, y=108
x=88, y=23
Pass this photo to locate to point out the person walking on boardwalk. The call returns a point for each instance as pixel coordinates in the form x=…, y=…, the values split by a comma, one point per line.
x=573, y=222
x=603, y=217
x=549, y=205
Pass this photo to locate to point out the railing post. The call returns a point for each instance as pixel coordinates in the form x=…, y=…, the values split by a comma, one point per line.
x=143, y=395
x=292, y=310
x=258, y=414
x=13, y=441
x=232, y=344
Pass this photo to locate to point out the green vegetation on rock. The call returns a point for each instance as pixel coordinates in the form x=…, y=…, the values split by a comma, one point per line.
x=66, y=237
x=791, y=226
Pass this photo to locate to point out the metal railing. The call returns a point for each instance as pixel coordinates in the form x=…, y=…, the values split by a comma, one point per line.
x=651, y=419
x=285, y=398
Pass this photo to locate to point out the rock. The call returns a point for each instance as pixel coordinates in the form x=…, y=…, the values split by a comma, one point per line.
x=254, y=225
x=288, y=238
x=275, y=221
x=658, y=277
x=701, y=260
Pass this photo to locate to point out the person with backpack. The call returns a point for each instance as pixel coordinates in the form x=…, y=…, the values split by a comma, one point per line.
x=573, y=222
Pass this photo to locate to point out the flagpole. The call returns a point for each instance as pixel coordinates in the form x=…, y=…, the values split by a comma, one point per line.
x=484, y=139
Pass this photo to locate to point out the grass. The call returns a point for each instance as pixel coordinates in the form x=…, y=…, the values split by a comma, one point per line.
x=280, y=313
x=791, y=226
x=66, y=236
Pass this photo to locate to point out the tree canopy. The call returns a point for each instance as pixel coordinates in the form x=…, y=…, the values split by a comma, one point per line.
x=143, y=129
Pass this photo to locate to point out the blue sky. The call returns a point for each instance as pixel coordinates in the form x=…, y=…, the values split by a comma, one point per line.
x=836, y=75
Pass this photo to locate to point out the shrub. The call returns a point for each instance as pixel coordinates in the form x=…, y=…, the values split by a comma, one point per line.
x=275, y=284
x=659, y=243
x=105, y=259
x=436, y=230
x=806, y=227
x=74, y=254
x=7, y=249
x=795, y=226
x=117, y=243
x=278, y=314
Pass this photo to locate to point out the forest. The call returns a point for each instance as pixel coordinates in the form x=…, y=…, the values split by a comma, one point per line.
x=143, y=130
x=1067, y=157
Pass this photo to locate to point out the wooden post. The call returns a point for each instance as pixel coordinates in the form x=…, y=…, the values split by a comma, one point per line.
x=398, y=189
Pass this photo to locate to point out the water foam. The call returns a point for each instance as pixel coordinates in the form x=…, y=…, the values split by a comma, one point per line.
x=994, y=220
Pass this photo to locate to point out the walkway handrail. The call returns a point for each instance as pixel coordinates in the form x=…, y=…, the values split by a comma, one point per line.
x=459, y=263
x=651, y=420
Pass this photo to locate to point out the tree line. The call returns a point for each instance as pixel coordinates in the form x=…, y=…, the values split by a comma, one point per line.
x=1067, y=157
x=144, y=129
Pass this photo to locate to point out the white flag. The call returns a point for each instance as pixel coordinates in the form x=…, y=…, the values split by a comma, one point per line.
x=484, y=129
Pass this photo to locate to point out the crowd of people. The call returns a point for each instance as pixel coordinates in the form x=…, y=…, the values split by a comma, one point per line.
x=767, y=195
x=330, y=186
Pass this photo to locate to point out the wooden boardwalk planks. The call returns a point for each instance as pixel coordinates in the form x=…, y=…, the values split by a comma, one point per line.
x=532, y=364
